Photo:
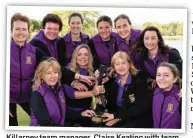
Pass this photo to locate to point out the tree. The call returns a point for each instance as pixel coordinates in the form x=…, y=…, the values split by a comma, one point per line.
x=170, y=29
x=89, y=24
x=35, y=25
x=179, y=29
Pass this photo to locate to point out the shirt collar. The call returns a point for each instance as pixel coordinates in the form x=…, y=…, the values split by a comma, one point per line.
x=156, y=57
x=118, y=79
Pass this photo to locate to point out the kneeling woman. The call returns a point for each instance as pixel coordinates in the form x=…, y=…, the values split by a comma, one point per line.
x=128, y=100
x=47, y=99
x=166, y=102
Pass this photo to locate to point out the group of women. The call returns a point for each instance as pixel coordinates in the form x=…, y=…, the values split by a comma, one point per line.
x=54, y=78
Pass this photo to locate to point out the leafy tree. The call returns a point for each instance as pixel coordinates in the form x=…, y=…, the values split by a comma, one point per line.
x=170, y=29
x=89, y=17
x=179, y=29
x=35, y=25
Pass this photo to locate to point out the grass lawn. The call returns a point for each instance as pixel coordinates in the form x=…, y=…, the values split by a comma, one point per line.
x=22, y=116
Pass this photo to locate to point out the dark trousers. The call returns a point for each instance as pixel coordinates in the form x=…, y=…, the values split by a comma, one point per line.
x=13, y=109
x=83, y=122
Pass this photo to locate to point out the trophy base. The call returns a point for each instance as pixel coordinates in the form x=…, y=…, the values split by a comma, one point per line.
x=97, y=119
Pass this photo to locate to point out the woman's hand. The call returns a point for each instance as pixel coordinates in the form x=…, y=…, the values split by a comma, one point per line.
x=180, y=94
x=88, y=79
x=98, y=89
x=79, y=86
x=107, y=117
x=112, y=122
x=88, y=113
x=105, y=79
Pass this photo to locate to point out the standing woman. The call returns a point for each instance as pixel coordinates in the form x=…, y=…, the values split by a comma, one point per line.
x=127, y=36
x=23, y=60
x=47, y=99
x=129, y=102
x=75, y=36
x=46, y=39
x=79, y=102
x=103, y=44
x=151, y=51
x=166, y=102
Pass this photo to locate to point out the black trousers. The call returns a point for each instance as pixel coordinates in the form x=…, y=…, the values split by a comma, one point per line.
x=83, y=121
x=13, y=109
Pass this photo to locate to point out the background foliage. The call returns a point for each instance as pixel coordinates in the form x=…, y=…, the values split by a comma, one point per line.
x=89, y=26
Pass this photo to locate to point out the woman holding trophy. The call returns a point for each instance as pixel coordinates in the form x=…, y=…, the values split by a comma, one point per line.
x=129, y=102
x=79, y=102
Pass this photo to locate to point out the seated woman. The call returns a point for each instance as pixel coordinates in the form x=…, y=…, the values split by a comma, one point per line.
x=128, y=100
x=47, y=101
x=151, y=51
x=166, y=102
x=79, y=102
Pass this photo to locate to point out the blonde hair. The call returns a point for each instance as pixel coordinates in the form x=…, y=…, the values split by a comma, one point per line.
x=74, y=66
x=122, y=55
x=42, y=68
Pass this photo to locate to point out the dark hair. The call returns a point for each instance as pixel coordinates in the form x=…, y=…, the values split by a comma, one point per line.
x=174, y=71
x=54, y=18
x=104, y=18
x=19, y=17
x=140, y=42
x=74, y=15
x=122, y=16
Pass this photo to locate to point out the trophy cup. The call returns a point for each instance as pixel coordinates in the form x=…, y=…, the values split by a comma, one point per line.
x=99, y=108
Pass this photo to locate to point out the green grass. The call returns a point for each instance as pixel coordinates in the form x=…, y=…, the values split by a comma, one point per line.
x=22, y=117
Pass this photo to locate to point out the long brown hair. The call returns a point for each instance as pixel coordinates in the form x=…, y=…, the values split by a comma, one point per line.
x=140, y=42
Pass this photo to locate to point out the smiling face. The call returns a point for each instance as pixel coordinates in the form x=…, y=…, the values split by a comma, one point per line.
x=51, y=76
x=75, y=25
x=51, y=30
x=121, y=67
x=165, y=78
x=82, y=58
x=104, y=29
x=20, y=32
x=123, y=28
x=151, y=40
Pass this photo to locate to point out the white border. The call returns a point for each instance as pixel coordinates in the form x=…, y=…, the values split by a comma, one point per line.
x=84, y=129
